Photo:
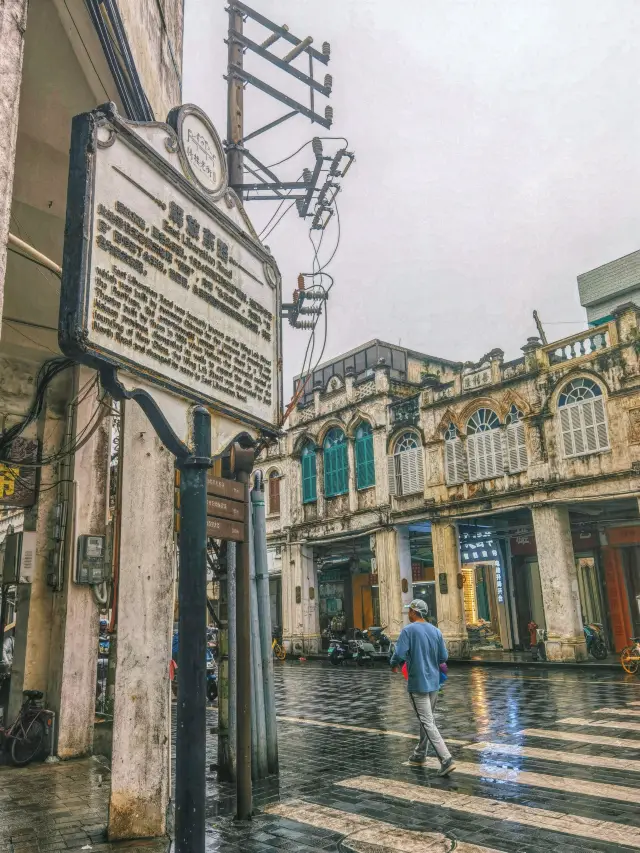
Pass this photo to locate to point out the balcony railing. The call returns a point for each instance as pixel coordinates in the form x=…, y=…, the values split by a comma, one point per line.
x=406, y=412
x=581, y=345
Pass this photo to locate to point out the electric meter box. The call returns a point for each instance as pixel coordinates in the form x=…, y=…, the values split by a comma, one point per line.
x=91, y=565
x=19, y=557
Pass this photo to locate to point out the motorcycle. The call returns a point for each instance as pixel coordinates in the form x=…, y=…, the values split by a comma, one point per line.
x=596, y=644
x=376, y=636
x=340, y=651
x=212, y=677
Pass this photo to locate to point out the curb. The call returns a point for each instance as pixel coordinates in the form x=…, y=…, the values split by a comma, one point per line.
x=613, y=666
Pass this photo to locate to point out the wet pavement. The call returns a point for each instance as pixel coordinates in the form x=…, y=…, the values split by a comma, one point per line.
x=547, y=761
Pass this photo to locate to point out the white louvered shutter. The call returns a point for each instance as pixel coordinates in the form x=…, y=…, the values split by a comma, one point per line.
x=588, y=418
x=567, y=432
x=411, y=471
x=495, y=455
x=454, y=461
x=600, y=419
x=419, y=456
x=391, y=475
x=575, y=417
x=472, y=453
x=450, y=462
x=516, y=448
x=461, y=461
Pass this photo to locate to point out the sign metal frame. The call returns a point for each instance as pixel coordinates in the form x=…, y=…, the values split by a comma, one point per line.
x=90, y=132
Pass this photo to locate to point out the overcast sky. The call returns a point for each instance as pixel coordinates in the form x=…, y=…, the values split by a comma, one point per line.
x=497, y=157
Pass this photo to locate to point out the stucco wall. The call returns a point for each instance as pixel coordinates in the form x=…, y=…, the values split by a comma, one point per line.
x=154, y=29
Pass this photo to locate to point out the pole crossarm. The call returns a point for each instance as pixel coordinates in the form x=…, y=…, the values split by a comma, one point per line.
x=285, y=66
x=281, y=32
x=241, y=74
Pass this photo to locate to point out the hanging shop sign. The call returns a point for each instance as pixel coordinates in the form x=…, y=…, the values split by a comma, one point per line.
x=164, y=278
x=18, y=476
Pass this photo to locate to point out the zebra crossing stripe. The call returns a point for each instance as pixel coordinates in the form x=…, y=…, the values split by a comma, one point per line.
x=366, y=835
x=605, y=761
x=623, y=712
x=344, y=727
x=580, y=737
x=489, y=770
x=545, y=819
x=622, y=725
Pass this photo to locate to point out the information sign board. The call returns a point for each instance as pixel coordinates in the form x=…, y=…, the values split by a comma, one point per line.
x=163, y=275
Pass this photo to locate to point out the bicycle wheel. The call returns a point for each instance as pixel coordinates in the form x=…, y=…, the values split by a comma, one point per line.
x=27, y=747
x=629, y=660
x=281, y=652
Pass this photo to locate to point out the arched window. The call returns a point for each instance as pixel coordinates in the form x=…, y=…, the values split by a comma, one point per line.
x=336, y=467
x=309, y=477
x=455, y=464
x=484, y=445
x=406, y=466
x=583, y=420
x=517, y=458
x=365, y=468
x=274, y=493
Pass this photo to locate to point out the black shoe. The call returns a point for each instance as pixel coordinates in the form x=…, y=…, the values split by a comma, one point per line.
x=417, y=762
x=446, y=767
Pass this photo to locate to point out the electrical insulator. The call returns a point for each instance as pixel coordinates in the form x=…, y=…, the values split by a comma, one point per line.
x=304, y=324
x=328, y=113
x=316, y=145
x=306, y=176
x=300, y=282
x=328, y=82
x=299, y=203
x=326, y=49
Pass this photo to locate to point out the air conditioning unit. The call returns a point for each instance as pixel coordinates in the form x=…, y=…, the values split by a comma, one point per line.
x=19, y=557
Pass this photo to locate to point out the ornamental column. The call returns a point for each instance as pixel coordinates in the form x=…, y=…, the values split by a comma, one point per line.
x=300, y=611
x=449, y=595
x=559, y=581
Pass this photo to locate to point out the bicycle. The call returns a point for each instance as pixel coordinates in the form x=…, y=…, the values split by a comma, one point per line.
x=279, y=651
x=27, y=734
x=630, y=656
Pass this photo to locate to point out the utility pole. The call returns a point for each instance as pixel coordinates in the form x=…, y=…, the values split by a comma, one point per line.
x=538, y=323
x=235, y=117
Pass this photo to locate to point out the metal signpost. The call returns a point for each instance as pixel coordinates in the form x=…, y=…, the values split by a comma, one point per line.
x=168, y=293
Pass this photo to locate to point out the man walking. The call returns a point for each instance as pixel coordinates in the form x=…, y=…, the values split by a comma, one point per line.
x=422, y=646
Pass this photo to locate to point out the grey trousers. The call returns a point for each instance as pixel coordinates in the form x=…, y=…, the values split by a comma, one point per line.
x=424, y=705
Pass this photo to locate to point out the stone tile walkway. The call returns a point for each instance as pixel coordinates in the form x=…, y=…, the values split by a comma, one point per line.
x=547, y=762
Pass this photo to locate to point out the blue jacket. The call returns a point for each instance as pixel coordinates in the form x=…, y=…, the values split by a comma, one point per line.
x=422, y=646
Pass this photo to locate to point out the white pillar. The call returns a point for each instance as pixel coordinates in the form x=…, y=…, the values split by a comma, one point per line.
x=76, y=613
x=559, y=581
x=141, y=725
x=13, y=23
x=391, y=552
x=449, y=595
x=300, y=604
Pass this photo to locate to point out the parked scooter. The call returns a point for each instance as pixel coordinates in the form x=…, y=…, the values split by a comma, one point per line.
x=340, y=651
x=376, y=636
x=596, y=643
x=212, y=677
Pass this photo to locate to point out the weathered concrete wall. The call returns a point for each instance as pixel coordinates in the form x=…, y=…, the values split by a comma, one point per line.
x=13, y=23
x=389, y=581
x=154, y=29
x=75, y=623
x=141, y=725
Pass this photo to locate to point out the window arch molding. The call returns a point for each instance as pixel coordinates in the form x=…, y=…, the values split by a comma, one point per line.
x=582, y=415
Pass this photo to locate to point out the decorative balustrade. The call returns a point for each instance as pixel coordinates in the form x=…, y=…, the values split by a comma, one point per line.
x=406, y=412
x=580, y=345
